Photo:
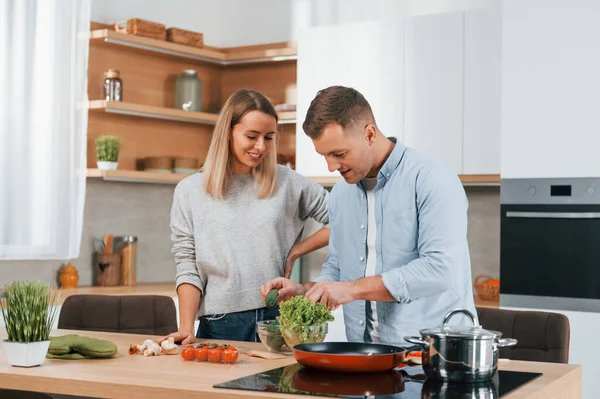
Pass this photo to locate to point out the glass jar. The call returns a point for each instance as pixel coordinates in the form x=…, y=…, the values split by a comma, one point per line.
x=128, y=260
x=188, y=91
x=113, y=86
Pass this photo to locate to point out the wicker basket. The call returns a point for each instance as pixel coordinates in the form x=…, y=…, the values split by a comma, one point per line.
x=140, y=27
x=186, y=37
x=488, y=288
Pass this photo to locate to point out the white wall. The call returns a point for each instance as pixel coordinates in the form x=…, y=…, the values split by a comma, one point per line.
x=229, y=23
x=224, y=23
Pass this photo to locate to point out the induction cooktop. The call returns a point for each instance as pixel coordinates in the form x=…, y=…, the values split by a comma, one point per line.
x=406, y=383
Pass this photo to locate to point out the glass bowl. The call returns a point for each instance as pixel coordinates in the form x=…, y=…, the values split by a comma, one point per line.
x=314, y=333
x=270, y=335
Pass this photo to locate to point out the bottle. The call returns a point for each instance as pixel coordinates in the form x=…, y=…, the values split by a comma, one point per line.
x=113, y=86
x=128, y=260
x=69, y=276
x=188, y=91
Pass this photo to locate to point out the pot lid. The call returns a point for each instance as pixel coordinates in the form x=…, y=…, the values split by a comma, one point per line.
x=473, y=331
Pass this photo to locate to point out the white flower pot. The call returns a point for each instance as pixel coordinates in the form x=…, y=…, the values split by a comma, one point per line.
x=26, y=354
x=104, y=165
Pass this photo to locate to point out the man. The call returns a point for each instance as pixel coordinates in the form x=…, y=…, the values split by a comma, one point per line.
x=398, y=253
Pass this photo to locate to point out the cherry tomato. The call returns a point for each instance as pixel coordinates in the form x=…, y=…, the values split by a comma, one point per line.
x=215, y=355
x=230, y=355
x=188, y=353
x=201, y=353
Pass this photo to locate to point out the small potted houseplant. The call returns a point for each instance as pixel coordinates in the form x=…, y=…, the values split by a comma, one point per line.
x=29, y=309
x=107, y=150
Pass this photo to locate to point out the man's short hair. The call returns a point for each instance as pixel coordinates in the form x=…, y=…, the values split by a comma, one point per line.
x=338, y=104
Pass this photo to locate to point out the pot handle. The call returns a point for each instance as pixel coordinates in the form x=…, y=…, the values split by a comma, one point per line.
x=417, y=341
x=506, y=342
x=457, y=311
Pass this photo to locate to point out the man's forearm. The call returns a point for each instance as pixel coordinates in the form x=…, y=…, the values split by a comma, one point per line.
x=370, y=289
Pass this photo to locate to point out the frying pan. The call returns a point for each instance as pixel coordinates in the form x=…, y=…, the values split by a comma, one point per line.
x=350, y=357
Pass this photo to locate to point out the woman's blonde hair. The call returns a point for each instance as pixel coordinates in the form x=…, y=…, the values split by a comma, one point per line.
x=217, y=168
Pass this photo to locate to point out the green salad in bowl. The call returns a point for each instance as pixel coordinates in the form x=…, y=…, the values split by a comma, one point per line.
x=302, y=321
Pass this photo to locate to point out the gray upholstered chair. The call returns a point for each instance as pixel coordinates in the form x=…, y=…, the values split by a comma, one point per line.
x=133, y=314
x=542, y=336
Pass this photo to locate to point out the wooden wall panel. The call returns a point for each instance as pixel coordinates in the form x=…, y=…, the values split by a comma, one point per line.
x=149, y=78
x=275, y=80
x=144, y=137
x=287, y=139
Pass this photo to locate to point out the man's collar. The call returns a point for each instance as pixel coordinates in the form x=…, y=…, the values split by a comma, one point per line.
x=390, y=164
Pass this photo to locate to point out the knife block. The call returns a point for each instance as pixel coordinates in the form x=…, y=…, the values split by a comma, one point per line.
x=108, y=269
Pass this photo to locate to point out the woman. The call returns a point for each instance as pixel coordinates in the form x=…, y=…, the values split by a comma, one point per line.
x=234, y=224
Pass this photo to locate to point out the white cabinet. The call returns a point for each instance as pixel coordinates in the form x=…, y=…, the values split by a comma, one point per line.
x=434, y=87
x=550, y=86
x=434, y=82
x=482, y=91
x=366, y=56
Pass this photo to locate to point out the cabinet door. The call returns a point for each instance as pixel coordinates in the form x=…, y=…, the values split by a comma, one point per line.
x=434, y=87
x=550, y=86
x=482, y=91
x=366, y=56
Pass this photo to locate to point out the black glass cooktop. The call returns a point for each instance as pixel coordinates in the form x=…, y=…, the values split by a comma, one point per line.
x=407, y=383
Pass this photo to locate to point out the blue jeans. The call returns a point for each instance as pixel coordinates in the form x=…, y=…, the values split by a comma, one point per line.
x=238, y=326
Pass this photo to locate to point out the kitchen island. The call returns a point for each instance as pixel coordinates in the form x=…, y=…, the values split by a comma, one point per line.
x=136, y=376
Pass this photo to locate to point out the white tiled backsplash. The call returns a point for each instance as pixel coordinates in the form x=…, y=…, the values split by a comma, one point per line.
x=143, y=210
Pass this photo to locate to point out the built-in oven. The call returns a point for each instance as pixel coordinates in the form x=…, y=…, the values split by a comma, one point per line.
x=550, y=243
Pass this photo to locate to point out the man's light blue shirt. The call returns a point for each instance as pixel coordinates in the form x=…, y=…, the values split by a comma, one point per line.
x=421, y=244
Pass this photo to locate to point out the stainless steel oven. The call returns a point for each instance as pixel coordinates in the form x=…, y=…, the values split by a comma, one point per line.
x=550, y=243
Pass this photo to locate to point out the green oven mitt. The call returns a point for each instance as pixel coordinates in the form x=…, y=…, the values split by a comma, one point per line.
x=73, y=347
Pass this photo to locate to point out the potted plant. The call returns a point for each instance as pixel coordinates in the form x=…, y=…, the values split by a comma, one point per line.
x=29, y=310
x=107, y=150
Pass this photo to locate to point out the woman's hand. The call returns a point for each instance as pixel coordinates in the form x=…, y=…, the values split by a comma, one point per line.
x=290, y=261
x=185, y=337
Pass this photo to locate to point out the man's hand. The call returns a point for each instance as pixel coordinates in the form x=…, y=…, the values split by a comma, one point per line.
x=331, y=294
x=185, y=337
x=286, y=288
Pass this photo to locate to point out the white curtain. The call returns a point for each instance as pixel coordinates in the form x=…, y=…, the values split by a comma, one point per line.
x=43, y=127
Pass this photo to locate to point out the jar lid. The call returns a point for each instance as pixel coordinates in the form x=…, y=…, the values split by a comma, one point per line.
x=191, y=72
x=112, y=73
x=473, y=331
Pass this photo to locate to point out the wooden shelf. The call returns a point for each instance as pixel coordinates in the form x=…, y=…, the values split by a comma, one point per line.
x=480, y=179
x=465, y=179
x=287, y=117
x=136, y=176
x=243, y=55
x=148, y=111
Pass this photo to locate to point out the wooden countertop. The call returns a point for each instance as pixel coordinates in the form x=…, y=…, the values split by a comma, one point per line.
x=135, y=376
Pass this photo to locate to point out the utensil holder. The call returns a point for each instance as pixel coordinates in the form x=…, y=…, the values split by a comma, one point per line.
x=108, y=269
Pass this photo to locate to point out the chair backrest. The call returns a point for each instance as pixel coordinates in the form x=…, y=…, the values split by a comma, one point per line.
x=542, y=336
x=10, y=394
x=133, y=314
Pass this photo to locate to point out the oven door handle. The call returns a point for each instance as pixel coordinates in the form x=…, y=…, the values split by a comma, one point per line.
x=553, y=215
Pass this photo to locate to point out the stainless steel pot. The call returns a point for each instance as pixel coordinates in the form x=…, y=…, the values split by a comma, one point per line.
x=460, y=353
